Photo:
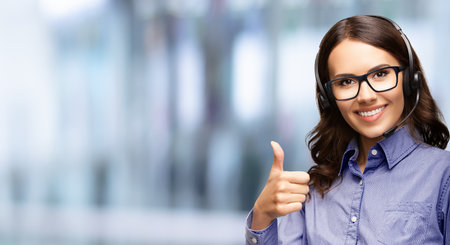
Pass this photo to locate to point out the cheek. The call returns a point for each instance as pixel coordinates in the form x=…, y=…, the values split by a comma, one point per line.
x=398, y=102
x=396, y=97
x=344, y=108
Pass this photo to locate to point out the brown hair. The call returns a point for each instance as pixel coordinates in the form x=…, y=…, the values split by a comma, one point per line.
x=330, y=137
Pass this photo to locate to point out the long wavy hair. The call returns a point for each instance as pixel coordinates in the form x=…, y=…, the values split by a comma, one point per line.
x=330, y=137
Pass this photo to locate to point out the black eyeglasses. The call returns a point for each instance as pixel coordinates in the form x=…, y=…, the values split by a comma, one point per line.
x=380, y=80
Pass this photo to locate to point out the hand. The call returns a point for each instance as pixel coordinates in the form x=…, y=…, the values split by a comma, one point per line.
x=284, y=193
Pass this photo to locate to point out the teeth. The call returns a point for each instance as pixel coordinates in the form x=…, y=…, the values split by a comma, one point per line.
x=371, y=113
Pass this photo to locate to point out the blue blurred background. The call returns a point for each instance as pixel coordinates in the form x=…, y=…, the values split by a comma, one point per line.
x=127, y=122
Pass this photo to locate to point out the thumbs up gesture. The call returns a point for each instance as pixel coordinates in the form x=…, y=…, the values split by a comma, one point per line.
x=284, y=193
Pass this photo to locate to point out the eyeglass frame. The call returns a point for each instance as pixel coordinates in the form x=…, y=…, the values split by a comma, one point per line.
x=363, y=78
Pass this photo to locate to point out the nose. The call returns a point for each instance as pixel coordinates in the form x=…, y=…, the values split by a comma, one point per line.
x=366, y=94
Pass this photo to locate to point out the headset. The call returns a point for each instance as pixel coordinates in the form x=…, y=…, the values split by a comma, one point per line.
x=411, y=80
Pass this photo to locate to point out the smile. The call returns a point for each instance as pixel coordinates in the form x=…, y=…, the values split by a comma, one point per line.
x=371, y=113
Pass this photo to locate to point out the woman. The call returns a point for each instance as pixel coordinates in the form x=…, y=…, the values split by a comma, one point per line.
x=381, y=176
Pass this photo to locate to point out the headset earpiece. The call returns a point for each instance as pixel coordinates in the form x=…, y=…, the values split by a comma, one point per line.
x=324, y=99
x=411, y=85
x=417, y=81
x=323, y=102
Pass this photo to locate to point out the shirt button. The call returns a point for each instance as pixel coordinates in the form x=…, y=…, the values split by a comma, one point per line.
x=254, y=240
x=374, y=152
x=360, y=182
x=354, y=219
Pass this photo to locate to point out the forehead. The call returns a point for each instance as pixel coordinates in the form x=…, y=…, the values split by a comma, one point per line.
x=356, y=57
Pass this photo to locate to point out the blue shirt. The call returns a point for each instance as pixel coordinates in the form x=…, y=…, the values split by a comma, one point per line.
x=401, y=198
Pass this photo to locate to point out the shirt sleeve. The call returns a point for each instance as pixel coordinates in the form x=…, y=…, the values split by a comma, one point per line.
x=447, y=221
x=289, y=229
x=267, y=236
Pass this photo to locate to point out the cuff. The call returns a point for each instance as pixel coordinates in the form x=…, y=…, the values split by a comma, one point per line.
x=267, y=236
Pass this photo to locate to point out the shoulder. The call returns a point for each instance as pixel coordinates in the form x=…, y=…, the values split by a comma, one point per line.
x=435, y=162
x=432, y=154
x=429, y=162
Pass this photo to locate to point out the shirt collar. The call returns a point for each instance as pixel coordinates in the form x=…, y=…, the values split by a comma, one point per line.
x=395, y=147
x=350, y=153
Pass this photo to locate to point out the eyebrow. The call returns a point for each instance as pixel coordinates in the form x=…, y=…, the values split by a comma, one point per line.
x=370, y=70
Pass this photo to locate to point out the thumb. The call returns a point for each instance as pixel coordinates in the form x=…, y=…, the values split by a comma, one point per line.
x=278, y=156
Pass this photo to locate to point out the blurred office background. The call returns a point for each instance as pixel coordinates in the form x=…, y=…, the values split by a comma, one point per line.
x=127, y=122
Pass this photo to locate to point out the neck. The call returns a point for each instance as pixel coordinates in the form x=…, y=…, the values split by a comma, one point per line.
x=365, y=144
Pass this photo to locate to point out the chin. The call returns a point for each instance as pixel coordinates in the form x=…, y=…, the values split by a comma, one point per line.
x=373, y=133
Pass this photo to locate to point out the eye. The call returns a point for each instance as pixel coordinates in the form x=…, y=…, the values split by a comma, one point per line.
x=345, y=82
x=380, y=74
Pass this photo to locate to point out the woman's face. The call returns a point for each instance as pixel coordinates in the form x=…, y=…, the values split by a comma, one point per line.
x=370, y=113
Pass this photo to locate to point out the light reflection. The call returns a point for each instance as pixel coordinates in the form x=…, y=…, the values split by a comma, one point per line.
x=250, y=75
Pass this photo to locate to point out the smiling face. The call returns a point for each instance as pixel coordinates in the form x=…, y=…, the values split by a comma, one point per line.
x=370, y=113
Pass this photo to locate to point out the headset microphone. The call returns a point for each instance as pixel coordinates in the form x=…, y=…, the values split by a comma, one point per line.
x=392, y=130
